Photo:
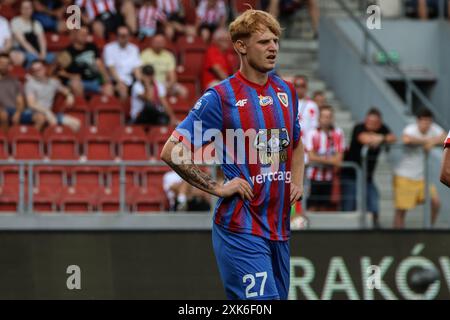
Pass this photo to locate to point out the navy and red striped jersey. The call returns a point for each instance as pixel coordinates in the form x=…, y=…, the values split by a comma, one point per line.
x=254, y=129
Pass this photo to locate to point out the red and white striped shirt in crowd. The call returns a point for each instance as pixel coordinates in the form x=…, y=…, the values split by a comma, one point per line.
x=324, y=144
x=94, y=8
x=149, y=16
x=211, y=15
x=169, y=6
x=447, y=141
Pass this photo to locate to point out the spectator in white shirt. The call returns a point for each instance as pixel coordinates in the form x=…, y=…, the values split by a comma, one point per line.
x=122, y=60
x=148, y=101
x=307, y=109
x=6, y=42
x=409, y=180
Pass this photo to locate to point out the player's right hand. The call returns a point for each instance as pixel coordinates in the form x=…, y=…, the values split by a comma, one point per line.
x=236, y=186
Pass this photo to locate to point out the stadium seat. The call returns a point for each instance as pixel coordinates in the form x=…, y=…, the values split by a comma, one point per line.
x=157, y=137
x=189, y=42
x=193, y=89
x=107, y=112
x=9, y=188
x=3, y=146
x=241, y=6
x=97, y=145
x=148, y=200
x=190, y=11
x=132, y=143
x=62, y=143
x=26, y=142
x=8, y=11
x=190, y=62
x=79, y=110
x=77, y=200
x=180, y=107
x=57, y=41
x=18, y=72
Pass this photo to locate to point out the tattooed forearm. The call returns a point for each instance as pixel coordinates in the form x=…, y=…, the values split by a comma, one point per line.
x=189, y=171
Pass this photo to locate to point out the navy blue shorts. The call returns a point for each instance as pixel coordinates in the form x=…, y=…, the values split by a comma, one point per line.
x=251, y=267
x=26, y=117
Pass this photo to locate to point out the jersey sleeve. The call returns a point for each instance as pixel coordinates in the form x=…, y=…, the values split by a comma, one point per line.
x=297, y=127
x=203, y=122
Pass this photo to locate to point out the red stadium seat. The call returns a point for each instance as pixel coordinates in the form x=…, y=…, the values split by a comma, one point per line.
x=8, y=11
x=193, y=89
x=97, y=145
x=189, y=7
x=241, y=6
x=190, y=42
x=132, y=143
x=26, y=142
x=107, y=111
x=18, y=72
x=148, y=200
x=153, y=176
x=157, y=137
x=192, y=62
x=180, y=107
x=79, y=110
x=62, y=143
x=77, y=200
x=9, y=188
x=87, y=178
x=3, y=146
x=57, y=41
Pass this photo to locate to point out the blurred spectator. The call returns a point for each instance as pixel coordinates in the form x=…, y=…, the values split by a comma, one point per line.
x=164, y=63
x=148, y=101
x=218, y=64
x=425, y=6
x=5, y=36
x=172, y=185
x=325, y=146
x=101, y=14
x=211, y=15
x=40, y=91
x=12, y=102
x=319, y=98
x=122, y=60
x=445, y=170
x=308, y=109
x=50, y=13
x=83, y=68
x=149, y=18
x=374, y=134
x=409, y=184
x=29, y=35
x=287, y=8
x=174, y=17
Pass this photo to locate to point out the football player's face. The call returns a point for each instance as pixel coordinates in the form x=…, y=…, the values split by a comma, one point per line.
x=261, y=50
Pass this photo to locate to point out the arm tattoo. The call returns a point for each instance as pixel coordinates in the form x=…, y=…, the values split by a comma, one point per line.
x=191, y=173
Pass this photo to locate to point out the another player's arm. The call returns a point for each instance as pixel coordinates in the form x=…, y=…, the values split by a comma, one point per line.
x=445, y=169
x=298, y=169
x=192, y=174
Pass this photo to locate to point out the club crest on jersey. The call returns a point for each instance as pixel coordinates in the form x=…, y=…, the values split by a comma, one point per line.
x=265, y=101
x=272, y=145
x=283, y=97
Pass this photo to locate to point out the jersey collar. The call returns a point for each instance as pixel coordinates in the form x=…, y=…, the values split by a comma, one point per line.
x=256, y=86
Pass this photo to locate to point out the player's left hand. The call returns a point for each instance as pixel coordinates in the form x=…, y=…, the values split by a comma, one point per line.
x=296, y=193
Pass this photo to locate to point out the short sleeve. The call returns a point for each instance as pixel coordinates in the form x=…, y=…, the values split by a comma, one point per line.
x=438, y=130
x=38, y=27
x=29, y=88
x=108, y=56
x=206, y=115
x=410, y=130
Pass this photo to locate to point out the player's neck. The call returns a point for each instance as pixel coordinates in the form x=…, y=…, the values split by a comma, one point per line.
x=253, y=75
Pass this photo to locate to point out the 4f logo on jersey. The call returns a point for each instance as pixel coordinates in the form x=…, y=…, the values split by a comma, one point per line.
x=272, y=145
x=241, y=103
x=265, y=101
x=283, y=97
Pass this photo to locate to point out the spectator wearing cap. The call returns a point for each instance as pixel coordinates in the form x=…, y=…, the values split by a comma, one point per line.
x=122, y=60
x=220, y=61
x=12, y=103
x=29, y=35
x=164, y=63
x=148, y=101
x=211, y=15
x=40, y=92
